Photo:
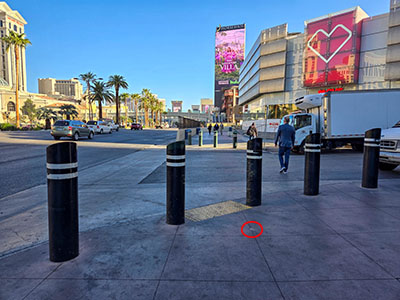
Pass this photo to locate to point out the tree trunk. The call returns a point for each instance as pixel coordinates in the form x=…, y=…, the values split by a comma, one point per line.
x=146, y=117
x=88, y=101
x=126, y=111
x=116, y=103
x=100, y=110
x=136, y=111
x=16, y=85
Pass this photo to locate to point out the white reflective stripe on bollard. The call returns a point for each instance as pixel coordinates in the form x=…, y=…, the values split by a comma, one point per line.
x=254, y=157
x=61, y=166
x=313, y=145
x=312, y=150
x=371, y=145
x=171, y=164
x=176, y=157
x=62, y=176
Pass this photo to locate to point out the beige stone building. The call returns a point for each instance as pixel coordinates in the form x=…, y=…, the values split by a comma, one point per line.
x=60, y=87
x=11, y=20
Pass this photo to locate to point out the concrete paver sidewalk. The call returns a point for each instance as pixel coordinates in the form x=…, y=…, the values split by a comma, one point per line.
x=341, y=244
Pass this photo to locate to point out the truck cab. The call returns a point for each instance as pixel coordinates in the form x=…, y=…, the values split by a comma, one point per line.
x=389, y=156
x=303, y=123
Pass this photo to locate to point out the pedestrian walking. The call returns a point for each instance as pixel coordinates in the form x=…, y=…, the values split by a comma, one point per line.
x=216, y=127
x=285, y=136
x=252, y=131
x=221, y=128
x=209, y=129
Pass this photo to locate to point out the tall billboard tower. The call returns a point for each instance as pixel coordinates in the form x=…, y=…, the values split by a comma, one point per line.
x=229, y=56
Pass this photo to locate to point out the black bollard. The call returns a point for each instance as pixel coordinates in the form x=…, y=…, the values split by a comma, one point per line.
x=312, y=156
x=189, y=136
x=254, y=172
x=62, y=194
x=215, y=138
x=201, y=138
x=176, y=183
x=234, y=139
x=370, y=172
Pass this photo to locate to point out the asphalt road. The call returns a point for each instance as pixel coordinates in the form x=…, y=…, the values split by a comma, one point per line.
x=22, y=166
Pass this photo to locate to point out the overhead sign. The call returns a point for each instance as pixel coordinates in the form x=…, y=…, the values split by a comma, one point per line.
x=332, y=49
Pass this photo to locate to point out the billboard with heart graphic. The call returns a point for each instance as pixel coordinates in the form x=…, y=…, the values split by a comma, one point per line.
x=332, y=49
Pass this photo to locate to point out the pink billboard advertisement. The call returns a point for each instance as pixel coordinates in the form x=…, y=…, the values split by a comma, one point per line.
x=332, y=49
x=229, y=56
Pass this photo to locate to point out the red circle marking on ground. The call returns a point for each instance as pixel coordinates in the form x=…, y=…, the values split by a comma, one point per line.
x=249, y=236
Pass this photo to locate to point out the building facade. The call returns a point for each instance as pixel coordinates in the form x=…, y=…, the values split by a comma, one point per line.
x=11, y=20
x=346, y=50
x=176, y=105
x=206, y=105
x=60, y=87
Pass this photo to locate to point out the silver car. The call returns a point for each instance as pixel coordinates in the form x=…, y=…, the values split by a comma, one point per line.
x=72, y=129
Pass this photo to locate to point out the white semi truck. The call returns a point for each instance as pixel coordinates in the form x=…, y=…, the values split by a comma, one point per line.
x=342, y=118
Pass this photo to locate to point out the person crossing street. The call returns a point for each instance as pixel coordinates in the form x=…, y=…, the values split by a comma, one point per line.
x=286, y=137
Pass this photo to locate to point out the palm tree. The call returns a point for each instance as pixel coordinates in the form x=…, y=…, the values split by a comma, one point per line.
x=153, y=107
x=145, y=104
x=136, y=98
x=101, y=93
x=89, y=77
x=46, y=114
x=124, y=97
x=68, y=110
x=18, y=41
x=117, y=81
x=159, y=110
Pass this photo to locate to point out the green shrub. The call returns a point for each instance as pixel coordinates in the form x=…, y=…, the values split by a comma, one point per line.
x=7, y=127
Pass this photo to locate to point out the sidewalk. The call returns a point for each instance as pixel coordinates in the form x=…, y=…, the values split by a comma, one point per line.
x=341, y=244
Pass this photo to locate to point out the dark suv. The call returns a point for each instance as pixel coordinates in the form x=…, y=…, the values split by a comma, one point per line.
x=72, y=129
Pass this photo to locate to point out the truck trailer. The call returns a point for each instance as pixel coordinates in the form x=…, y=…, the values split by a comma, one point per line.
x=342, y=118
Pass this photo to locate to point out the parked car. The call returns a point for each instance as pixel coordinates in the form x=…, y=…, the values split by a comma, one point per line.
x=72, y=129
x=389, y=156
x=111, y=123
x=100, y=127
x=136, y=126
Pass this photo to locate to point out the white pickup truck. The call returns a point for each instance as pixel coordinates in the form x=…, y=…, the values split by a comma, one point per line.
x=389, y=157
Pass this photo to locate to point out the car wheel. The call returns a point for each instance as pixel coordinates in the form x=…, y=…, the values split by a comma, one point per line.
x=76, y=136
x=90, y=135
x=101, y=131
x=56, y=137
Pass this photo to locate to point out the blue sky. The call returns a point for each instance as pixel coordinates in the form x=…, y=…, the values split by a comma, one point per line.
x=166, y=46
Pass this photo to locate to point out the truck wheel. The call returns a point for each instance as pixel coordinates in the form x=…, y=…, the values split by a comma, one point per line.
x=357, y=147
x=387, y=167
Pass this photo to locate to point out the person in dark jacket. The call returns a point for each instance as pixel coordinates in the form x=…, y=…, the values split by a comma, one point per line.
x=216, y=127
x=209, y=129
x=285, y=136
